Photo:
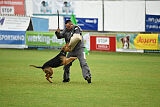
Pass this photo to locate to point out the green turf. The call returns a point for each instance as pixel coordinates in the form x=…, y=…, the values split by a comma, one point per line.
x=118, y=80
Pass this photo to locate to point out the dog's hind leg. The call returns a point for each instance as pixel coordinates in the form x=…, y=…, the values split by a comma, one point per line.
x=49, y=73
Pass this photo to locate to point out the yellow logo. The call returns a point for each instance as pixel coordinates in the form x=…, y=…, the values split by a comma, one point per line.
x=146, y=41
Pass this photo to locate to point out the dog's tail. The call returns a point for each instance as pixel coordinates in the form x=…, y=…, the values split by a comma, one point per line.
x=35, y=66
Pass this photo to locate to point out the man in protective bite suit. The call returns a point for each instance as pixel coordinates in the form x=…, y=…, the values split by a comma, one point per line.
x=78, y=51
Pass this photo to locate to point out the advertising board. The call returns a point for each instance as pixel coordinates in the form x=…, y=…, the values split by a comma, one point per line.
x=102, y=43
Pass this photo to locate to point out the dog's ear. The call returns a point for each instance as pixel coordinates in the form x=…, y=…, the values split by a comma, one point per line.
x=128, y=37
x=63, y=48
x=121, y=40
x=67, y=48
x=67, y=44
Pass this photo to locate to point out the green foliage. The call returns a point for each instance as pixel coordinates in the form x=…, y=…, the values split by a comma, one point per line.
x=118, y=80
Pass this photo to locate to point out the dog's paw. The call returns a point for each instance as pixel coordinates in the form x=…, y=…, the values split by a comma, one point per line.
x=49, y=80
x=73, y=58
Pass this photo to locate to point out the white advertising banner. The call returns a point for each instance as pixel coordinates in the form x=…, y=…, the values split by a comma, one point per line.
x=14, y=23
x=65, y=7
x=124, y=16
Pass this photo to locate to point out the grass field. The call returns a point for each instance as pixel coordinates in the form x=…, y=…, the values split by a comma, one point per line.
x=118, y=80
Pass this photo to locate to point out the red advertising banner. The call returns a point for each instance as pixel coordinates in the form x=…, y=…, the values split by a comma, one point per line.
x=102, y=43
x=12, y=7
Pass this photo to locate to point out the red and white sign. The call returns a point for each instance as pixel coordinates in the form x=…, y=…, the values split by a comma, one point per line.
x=102, y=43
x=12, y=7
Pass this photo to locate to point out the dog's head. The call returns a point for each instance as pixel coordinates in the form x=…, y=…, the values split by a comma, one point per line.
x=125, y=42
x=66, y=48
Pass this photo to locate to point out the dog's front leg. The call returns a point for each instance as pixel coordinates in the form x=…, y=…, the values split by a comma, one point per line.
x=69, y=60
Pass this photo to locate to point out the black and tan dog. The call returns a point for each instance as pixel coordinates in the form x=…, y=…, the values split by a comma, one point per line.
x=57, y=61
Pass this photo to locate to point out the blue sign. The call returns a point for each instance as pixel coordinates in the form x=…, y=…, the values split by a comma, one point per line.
x=12, y=37
x=87, y=23
x=40, y=24
x=152, y=23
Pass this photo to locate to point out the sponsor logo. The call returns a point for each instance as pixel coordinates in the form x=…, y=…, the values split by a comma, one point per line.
x=146, y=40
x=102, y=43
x=12, y=37
x=2, y=20
x=91, y=21
x=44, y=39
x=100, y=40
